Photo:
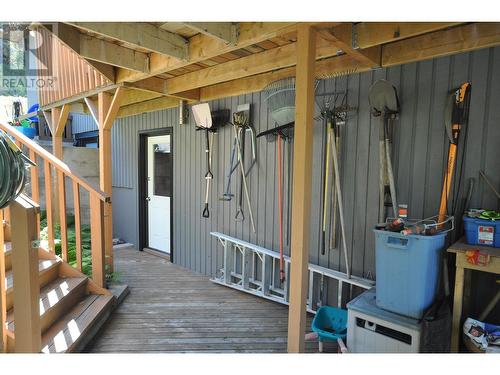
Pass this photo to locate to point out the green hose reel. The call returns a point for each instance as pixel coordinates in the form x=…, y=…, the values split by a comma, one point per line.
x=13, y=171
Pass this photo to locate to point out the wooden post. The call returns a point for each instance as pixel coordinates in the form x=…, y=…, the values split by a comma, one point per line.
x=48, y=205
x=78, y=227
x=25, y=270
x=59, y=117
x=97, y=238
x=3, y=304
x=108, y=107
x=35, y=184
x=302, y=176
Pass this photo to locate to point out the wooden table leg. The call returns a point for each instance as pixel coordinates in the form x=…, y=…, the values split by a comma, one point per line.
x=457, y=307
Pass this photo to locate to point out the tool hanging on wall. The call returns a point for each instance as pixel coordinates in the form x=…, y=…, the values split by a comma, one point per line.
x=333, y=112
x=280, y=98
x=241, y=125
x=210, y=122
x=456, y=117
x=384, y=104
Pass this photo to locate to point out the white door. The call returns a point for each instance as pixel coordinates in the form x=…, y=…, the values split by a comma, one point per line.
x=159, y=161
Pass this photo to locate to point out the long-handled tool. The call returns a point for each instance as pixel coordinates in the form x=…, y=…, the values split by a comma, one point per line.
x=208, y=175
x=339, y=202
x=243, y=176
x=209, y=122
x=456, y=117
x=241, y=124
x=384, y=104
x=227, y=196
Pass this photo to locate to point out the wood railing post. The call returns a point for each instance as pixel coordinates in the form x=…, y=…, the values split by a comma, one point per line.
x=25, y=280
x=97, y=240
x=301, y=192
x=35, y=184
x=48, y=205
x=78, y=227
x=61, y=189
x=3, y=304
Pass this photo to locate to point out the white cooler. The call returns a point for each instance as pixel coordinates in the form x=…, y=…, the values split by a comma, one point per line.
x=371, y=329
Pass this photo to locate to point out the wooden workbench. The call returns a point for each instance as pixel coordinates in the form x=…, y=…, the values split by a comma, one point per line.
x=460, y=248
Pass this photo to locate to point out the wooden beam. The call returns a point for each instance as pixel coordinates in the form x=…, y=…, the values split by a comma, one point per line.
x=102, y=51
x=442, y=43
x=114, y=106
x=151, y=84
x=227, y=32
x=202, y=47
x=148, y=106
x=276, y=58
x=325, y=67
x=133, y=96
x=59, y=119
x=70, y=37
x=301, y=193
x=112, y=54
x=369, y=34
x=342, y=37
x=159, y=86
x=140, y=35
x=25, y=269
x=79, y=97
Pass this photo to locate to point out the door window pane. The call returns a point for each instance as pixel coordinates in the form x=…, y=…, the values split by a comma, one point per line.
x=162, y=165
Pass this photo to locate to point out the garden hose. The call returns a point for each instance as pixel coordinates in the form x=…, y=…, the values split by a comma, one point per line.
x=12, y=170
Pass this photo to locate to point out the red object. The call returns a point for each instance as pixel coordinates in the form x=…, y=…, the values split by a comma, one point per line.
x=477, y=258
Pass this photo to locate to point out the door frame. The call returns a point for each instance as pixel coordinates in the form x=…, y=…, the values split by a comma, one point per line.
x=143, y=189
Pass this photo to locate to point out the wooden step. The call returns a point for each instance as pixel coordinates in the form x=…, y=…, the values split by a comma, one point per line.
x=8, y=256
x=48, y=270
x=56, y=298
x=75, y=329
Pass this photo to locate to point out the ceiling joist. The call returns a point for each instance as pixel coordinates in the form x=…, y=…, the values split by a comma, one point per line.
x=140, y=35
x=369, y=34
x=441, y=43
x=342, y=37
x=202, y=47
x=276, y=58
x=324, y=68
x=101, y=51
x=226, y=32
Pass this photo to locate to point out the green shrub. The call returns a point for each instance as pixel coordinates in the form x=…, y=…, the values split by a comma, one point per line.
x=71, y=235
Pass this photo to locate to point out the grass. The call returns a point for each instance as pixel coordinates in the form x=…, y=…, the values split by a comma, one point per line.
x=71, y=235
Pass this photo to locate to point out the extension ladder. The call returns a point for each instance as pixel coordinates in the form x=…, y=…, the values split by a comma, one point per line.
x=254, y=269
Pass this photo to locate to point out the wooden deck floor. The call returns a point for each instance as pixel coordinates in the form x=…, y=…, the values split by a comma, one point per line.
x=172, y=309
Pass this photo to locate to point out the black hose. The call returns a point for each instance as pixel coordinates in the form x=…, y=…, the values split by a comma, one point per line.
x=12, y=170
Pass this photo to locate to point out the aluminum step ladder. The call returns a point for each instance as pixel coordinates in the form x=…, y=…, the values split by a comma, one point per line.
x=255, y=270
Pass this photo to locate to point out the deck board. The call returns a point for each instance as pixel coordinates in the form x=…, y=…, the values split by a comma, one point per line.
x=172, y=309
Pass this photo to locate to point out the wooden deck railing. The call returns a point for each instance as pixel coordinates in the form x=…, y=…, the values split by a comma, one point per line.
x=55, y=200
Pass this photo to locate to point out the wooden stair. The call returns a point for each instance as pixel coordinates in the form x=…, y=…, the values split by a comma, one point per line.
x=72, y=307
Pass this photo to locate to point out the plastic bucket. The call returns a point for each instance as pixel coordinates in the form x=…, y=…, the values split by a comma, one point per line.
x=407, y=270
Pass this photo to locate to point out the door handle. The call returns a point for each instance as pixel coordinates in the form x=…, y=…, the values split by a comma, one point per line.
x=148, y=199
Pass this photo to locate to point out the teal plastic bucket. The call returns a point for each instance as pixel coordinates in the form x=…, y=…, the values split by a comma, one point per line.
x=407, y=270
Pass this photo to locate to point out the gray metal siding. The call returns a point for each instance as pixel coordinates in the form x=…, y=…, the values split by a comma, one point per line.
x=419, y=160
x=81, y=123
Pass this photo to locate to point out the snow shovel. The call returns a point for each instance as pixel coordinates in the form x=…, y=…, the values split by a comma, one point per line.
x=384, y=104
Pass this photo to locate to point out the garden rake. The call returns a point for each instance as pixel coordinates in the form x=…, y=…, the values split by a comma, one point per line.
x=333, y=115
